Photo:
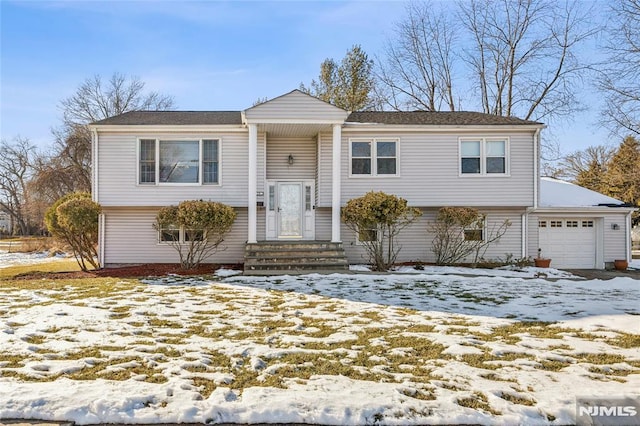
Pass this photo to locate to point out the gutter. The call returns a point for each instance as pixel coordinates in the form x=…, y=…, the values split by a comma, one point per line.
x=627, y=238
x=536, y=166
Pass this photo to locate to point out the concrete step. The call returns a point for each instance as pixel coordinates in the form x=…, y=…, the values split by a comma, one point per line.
x=294, y=257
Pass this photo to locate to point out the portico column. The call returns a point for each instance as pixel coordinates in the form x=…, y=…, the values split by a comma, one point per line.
x=253, y=182
x=336, y=183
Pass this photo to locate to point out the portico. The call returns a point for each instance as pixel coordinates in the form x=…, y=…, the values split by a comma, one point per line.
x=286, y=185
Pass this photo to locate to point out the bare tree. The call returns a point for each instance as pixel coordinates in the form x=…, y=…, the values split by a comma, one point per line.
x=418, y=70
x=68, y=168
x=518, y=57
x=15, y=172
x=96, y=99
x=590, y=161
x=619, y=76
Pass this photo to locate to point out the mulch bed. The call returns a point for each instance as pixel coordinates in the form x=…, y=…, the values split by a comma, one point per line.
x=134, y=271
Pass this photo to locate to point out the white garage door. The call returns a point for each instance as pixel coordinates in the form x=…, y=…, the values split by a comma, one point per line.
x=568, y=242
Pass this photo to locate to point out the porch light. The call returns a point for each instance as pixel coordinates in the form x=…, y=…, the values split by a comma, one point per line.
x=290, y=160
x=615, y=226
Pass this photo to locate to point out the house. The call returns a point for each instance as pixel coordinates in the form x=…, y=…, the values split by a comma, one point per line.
x=289, y=164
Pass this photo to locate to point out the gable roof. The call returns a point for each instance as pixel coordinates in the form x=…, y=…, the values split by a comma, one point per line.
x=436, y=118
x=558, y=193
x=194, y=118
x=295, y=106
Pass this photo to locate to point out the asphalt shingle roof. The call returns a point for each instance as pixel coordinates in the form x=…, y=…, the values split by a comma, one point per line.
x=441, y=118
x=194, y=118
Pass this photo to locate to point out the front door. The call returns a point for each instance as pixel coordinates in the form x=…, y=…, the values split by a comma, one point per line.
x=289, y=210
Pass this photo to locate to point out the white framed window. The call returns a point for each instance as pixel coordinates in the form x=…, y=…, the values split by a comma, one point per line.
x=484, y=156
x=542, y=224
x=174, y=234
x=475, y=233
x=587, y=224
x=572, y=224
x=366, y=235
x=373, y=157
x=555, y=223
x=179, y=161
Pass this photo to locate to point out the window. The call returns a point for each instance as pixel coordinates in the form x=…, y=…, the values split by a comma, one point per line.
x=587, y=224
x=374, y=157
x=475, y=233
x=483, y=156
x=572, y=224
x=555, y=223
x=180, y=235
x=542, y=224
x=178, y=161
x=367, y=235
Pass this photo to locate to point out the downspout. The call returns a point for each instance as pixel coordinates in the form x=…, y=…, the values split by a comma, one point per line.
x=536, y=166
x=536, y=180
x=101, y=244
x=627, y=238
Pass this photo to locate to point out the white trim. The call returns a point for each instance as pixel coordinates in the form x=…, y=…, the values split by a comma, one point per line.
x=582, y=210
x=336, y=166
x=627, y=239
x=483, y=156
x=252, y=209
x=374, y=157
x=94, y=165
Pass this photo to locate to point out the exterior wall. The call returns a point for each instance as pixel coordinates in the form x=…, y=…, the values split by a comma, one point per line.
x=416, y=239
x=118, y=180
x=615, y=240
x=130, y=238
x=303, y=151
x=429, y=171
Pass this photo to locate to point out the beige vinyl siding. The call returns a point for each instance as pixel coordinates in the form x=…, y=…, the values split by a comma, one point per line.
x=323, y=224
x=118, y=180
x=614, y=240
x=303, y=151
x=428, y=167
x=130, y=238
x=416, y=239
x=297, y=106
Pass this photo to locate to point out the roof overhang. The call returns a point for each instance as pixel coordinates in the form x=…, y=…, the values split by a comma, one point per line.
x=380, y=127
x=168, y=128
x=588, y=210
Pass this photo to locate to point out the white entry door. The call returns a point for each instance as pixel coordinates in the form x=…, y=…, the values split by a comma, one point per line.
x=290, y=212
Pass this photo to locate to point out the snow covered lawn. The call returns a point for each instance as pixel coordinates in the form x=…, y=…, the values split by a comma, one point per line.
x=338, y=349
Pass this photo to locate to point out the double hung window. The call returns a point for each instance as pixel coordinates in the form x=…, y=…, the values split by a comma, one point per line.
x=374, y=157
x=484, y=156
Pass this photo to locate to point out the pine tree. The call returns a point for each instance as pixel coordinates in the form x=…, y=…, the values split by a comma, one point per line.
x=623, y=174
x=349, y=85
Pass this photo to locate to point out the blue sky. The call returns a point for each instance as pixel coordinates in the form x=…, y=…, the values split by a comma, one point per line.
x=208, y=55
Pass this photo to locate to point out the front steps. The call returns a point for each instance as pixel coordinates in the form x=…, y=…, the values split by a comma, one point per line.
x=294, y=257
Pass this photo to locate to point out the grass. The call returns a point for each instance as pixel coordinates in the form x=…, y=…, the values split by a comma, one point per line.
x=477, y=401
x=66, y=265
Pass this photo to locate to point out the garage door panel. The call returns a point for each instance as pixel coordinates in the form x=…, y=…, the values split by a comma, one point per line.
x=568, y=242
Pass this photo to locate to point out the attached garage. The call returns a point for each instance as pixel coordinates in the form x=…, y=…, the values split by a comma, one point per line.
x=579, y=228
x=570, y=242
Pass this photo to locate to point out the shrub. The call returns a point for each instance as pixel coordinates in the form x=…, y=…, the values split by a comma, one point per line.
x=377, y=218
x=73, y=220
x=199, y=228
x=451, y=227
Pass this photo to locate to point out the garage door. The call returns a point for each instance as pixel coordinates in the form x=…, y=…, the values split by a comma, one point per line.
x=568, y=242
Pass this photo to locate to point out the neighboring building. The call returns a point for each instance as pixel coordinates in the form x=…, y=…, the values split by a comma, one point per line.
x=5, y=223
x=289, y=164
